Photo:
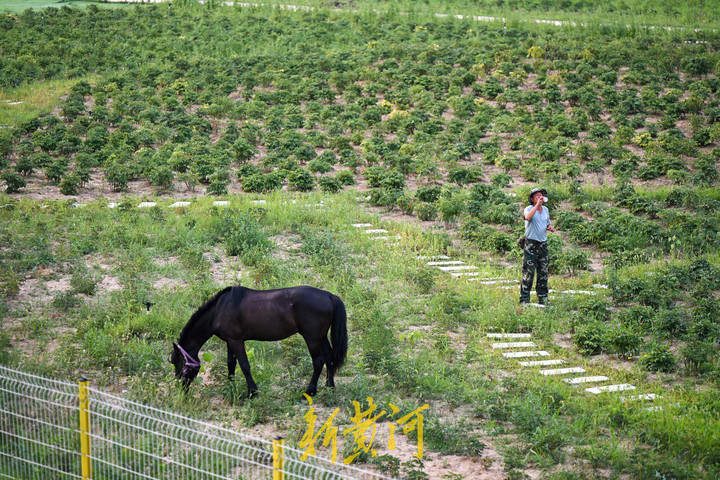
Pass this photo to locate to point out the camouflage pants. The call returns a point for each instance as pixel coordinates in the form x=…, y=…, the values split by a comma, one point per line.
x=535, y=258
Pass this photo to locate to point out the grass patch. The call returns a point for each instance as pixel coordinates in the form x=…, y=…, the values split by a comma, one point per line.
x=19, y=105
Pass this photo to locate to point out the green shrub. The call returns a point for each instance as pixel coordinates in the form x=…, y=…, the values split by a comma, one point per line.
x=69, y=184
x=501, y=179
x=259, y=182
x=301, y=180
x=406, y=203
x=623, y=341
x=590, y=338
x=319, y=165
x=670, y=322
x=451, y=206
x=658, y=358
x=162, y=176
x=384, y=197
x=429, y=194
x=218, y=182
x=426, y=211
x=118, y=174
x=464, y=175
x=698, y=356
x=25, y=165
x=345, y=177
x=330, y=184
x=486, y=237
x=13, y=182
x=55, y=171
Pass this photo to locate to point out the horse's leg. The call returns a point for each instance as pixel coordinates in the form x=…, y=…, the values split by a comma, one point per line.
x=327, y=352
x=238, y=347
x=231, y=362
x=318, y=359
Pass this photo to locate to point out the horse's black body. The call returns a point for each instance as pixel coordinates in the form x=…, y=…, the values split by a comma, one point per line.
x=237, y=314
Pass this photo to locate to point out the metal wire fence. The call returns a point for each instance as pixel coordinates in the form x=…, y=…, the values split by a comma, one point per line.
x=43, y=434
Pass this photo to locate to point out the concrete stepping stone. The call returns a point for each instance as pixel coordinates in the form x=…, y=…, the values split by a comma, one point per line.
x=113, y=204
x=542, y=363
x=610, y=388
x=537, y=353
x=361, y=225
x=562, y=371
x=577, y=292
x=396, y=237
x=445, y=262
x=514, y=345
x=536, y=305
x=453, y=268
x=432, y=257
x=179, y=204
x=261, y=202
x=644, y=396
x=600, y=285
x=465, y=274
x=375, y=230
x=509, y=335
x=146, y=204
x=78, y=205
x=494, y=282
x=220, y=203
x=579, y=380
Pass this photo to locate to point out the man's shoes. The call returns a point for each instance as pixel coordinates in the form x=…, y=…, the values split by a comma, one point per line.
x=543, y=301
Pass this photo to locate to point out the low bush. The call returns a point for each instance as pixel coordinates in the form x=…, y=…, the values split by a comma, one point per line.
x=260, y=182
x=623, y=341
x=658, y=358
x=425, y=211
x=590, y=338
x=330, y=184
x=301, y=180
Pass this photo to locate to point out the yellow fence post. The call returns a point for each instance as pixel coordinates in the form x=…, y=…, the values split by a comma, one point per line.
x=84, y=430
x=278, y=459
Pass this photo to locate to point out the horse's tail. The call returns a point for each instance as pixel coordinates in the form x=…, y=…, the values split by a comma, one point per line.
x=338, y=334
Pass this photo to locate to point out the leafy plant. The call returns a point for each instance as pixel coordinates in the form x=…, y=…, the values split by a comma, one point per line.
x=301, y=180
x=658, y=358
x=590, y=338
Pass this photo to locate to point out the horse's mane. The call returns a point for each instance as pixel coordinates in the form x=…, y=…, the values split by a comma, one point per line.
x=200, y=311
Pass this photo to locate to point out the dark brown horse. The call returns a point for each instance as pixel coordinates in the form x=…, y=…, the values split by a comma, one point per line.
x=237, y=314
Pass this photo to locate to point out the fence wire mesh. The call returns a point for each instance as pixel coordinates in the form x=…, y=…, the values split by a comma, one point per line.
x=38, y=427
x=40, y=438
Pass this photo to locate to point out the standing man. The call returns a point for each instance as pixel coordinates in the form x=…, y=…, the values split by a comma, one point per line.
x=537, y=224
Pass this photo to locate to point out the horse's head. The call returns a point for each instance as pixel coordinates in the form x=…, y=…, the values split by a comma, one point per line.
x=186, y=367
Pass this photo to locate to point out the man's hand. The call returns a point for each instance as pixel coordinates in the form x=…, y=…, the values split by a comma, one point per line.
x=551, y=229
